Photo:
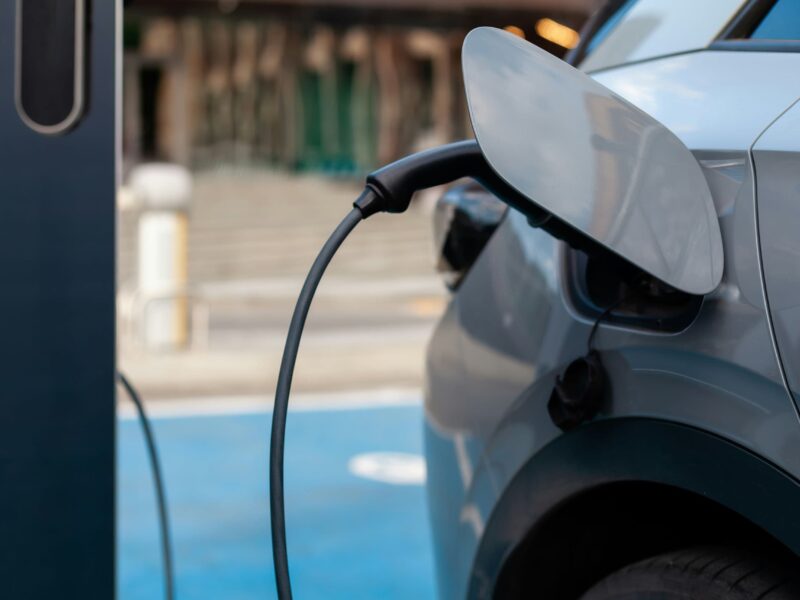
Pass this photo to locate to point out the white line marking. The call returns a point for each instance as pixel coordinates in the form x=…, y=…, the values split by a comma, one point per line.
x=247, y=405
x=462, y=459
x=397, y=468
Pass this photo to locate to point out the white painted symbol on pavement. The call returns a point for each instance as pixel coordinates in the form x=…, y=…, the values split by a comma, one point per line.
x=389, y=467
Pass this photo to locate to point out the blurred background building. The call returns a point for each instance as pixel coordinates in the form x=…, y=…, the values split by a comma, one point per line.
x=276, y=108
x=334, y=85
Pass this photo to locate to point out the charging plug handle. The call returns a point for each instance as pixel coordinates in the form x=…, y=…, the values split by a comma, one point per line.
x=390, y=189
x=394, y=185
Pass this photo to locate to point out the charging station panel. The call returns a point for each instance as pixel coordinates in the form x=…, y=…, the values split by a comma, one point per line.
x=57, y=275
x=50, y=54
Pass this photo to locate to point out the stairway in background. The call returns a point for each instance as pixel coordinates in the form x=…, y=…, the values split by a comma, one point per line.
x=251, y=225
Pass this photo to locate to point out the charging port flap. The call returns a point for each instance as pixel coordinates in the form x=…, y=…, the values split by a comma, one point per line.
x=593, y=160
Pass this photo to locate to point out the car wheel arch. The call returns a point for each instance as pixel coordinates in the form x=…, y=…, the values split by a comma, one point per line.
x=624, y=477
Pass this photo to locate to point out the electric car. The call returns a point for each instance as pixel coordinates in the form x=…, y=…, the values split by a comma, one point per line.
x=677, y=473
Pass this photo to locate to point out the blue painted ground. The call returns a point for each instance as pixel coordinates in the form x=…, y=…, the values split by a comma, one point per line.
x=348, y=537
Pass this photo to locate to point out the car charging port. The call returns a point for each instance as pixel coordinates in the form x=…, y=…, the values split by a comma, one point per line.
x=639, y=300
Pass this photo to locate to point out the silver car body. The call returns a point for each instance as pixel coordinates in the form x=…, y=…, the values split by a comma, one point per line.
x=733, y=373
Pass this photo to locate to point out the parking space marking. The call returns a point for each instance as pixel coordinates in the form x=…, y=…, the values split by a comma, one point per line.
x=212, y=406
x=397, y=468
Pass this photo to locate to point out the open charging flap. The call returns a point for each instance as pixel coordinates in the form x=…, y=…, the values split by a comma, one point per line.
x=592, y=159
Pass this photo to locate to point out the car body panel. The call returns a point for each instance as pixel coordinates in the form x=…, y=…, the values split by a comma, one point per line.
x=652, y=28
x=511, y=329
x=712, y=100
x=614, y=457
x=776, y=156
x=641, y=193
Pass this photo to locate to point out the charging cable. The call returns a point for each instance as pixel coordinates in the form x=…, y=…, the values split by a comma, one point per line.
x=388, y=189
x=158, y=482
x=600, y=318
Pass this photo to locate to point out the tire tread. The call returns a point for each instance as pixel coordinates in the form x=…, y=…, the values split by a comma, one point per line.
x=701, y=573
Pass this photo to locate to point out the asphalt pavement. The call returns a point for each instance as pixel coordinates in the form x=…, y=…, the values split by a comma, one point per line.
x=356, y=515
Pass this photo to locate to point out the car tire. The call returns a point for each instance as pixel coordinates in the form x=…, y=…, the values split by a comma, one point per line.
x=703, y=573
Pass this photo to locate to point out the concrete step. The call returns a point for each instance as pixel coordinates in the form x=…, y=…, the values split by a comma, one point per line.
x=247, y=224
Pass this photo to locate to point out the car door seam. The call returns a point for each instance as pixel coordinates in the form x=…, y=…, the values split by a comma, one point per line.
x=759, y=257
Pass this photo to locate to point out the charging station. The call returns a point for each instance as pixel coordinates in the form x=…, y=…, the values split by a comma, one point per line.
x=58, y=159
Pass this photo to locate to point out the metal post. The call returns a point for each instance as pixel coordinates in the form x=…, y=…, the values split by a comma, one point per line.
x=57, y=346
x=163, y=192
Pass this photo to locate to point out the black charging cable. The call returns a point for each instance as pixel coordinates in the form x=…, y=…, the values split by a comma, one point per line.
x=600, y=318
x=388, y=189
x=158, y=482
x=277, y=512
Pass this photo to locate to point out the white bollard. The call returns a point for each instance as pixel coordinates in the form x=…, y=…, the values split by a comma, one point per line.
x=163, y=191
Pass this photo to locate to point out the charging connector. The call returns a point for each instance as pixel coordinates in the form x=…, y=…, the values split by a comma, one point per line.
x=390, y=188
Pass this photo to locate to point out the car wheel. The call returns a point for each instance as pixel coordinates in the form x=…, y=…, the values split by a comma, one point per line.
x=704, y=573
